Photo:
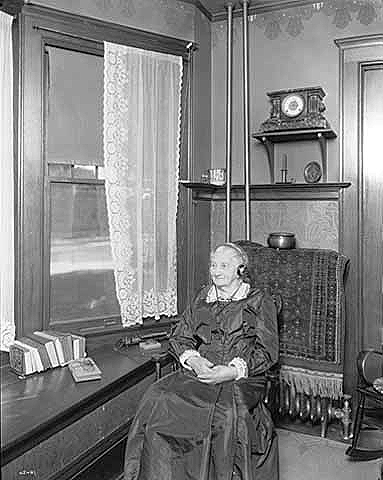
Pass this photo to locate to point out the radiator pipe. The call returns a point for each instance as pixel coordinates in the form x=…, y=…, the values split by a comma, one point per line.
x=246, y=137
x=229, y=62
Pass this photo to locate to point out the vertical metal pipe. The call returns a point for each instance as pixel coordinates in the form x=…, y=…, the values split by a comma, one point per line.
x=229, y=62
x=189, y=172
x=246, y=135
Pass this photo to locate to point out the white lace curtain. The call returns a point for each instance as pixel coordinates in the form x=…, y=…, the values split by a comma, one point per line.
x=6, y=184
x=142, y=111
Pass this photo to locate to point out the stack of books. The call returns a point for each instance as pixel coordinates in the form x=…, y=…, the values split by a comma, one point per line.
x=41, y=350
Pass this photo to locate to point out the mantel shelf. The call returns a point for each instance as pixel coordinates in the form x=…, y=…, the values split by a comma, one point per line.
x=274, y=191
x=295, y=135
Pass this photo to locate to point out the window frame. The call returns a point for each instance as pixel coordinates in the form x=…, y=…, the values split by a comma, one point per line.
x=37, y=28
x=58, y=40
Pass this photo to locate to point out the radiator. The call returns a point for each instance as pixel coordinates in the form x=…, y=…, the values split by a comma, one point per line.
x=284, y=402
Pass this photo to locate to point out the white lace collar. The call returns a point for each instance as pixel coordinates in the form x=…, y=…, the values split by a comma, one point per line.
x=240, y=294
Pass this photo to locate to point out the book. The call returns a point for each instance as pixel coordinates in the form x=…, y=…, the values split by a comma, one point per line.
x=38, y=352
x=66, y=342
x=49, y=347
x=20, y=359
x=84, y=370
x=62, y=342
x=37, y=364
x=57, y=344
x=43, y=354
x=78, y=344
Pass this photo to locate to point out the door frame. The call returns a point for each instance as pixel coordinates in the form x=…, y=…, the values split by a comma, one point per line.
x=354, y=54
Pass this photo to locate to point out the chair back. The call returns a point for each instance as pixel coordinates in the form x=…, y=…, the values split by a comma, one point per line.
x=370, y=365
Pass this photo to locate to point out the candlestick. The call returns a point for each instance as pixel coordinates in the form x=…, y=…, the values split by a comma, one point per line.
x=284, y=161
x=283, y=175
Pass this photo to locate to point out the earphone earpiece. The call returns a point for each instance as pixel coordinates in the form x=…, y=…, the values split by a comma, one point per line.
x=243, y=257
x=241, y=270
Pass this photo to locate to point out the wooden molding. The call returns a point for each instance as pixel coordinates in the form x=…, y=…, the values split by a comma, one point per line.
x=289, y=191
x=95, y=30
x=354, y=54
x=359, y=41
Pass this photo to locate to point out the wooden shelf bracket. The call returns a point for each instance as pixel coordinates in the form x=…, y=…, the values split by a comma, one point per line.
x=269, y=139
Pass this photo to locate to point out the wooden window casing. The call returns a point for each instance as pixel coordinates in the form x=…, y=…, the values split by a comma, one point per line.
x=38, y=28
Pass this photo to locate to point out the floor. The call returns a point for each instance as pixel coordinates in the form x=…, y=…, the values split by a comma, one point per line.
x=308, y=457
x=303, y=455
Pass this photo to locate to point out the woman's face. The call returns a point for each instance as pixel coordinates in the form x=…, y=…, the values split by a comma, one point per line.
x=224, y=264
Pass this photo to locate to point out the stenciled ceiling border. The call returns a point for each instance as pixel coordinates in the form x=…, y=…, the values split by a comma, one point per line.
x=292, y=20
x=274, y=18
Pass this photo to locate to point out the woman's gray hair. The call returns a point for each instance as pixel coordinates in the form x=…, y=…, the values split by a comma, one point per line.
x=237, y=249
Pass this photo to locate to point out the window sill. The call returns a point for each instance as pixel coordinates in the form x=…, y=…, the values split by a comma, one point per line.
x=97, y=336
x=64, y=401
x=149, y=324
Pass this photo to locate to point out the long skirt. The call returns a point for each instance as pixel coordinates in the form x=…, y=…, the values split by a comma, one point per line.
x=187, y=430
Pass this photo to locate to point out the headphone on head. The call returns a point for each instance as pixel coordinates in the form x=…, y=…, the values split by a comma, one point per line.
x=242, y=268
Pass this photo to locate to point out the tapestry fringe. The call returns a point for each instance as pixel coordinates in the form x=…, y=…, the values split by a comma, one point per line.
x=311, y=382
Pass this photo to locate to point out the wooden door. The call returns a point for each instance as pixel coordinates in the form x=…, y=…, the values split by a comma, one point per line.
x=361, y=213
x=372, y=208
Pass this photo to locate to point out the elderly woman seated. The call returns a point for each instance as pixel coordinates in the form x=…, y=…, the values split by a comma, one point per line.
x=207, y=421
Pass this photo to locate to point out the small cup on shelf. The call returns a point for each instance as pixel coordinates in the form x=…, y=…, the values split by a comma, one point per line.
x=217, y=176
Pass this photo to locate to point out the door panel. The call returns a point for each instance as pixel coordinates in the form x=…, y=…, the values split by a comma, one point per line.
x=372, y=217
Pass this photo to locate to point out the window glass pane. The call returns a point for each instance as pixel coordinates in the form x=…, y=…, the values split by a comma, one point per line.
x=84, y=171
x=74, y=107
x=82, y=280
x=60, y=170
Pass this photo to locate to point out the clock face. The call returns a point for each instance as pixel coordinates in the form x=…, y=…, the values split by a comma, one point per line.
x=293, y=105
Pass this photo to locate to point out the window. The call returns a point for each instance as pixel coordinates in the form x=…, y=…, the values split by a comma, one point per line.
x=81, y=278
x=64, y=273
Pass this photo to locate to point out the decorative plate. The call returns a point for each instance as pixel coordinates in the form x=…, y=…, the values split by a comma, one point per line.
x=313, y=172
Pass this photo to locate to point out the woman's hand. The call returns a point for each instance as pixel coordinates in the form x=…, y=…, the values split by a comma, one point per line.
x=200, y=365
x=218, y=374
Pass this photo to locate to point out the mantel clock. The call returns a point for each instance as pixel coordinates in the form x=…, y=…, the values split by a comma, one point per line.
x=300, y=108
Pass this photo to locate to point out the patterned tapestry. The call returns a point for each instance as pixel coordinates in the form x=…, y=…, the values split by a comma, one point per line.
x=311, y=322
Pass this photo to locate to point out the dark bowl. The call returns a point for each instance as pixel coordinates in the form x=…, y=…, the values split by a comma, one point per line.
x=282, y=240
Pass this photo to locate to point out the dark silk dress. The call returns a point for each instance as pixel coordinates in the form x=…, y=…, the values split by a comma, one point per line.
x=187, y=430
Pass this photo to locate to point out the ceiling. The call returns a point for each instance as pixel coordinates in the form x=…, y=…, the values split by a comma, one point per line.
x=215, y=7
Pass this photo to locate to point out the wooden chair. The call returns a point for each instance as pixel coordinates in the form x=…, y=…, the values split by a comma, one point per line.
x=370, y=367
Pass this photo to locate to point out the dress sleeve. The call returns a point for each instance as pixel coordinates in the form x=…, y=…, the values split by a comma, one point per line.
x=182, y=337
x=259, y=345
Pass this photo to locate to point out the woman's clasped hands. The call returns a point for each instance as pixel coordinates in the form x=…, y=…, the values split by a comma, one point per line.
x=207, y=372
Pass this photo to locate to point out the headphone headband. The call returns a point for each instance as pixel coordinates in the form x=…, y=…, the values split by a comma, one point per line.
x=239, y=250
